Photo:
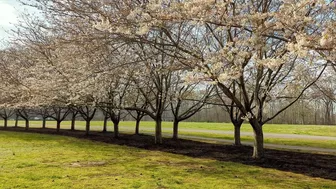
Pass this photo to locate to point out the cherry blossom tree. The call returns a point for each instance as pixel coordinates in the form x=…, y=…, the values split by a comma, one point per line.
x=44, y=112
x=74, y=114
x=264, y=46
x=234, y=40
x=236, y=116
x=141, y=102
x=186, y=99
x=114, y=100
x=154, y=83
x=5, y=114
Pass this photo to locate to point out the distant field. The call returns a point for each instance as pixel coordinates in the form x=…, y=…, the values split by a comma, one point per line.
x=316, y=130
x=283, y=141
x=50, y=161
x=195, y=129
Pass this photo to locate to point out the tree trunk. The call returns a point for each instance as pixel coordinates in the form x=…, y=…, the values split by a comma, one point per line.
x=43, y=123
x=27, y=124
x=58, y=125
x=175, y=129
x=16, y=121
x=158, y=131
x=137, y=126
x=87, y=127
x=105, y=124
x=258, y=147
x=5, y=123
x=237, y=127
x=116, y=129
x=73, y=122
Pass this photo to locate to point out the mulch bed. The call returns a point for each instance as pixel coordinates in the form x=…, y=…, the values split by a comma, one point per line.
x=311, y=164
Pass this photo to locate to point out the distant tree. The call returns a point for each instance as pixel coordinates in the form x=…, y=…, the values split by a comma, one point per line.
x=186, y=99
x=141, y=102
x=87, y=112
x=44, y=112
x=5, y=114
x=59, y=114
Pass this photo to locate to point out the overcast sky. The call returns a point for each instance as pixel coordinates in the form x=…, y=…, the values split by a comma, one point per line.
x=9, y=11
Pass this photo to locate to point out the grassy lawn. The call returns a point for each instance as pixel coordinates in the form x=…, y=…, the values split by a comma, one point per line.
x=49, y=161
x=316, y=130
x=146, y=126
x=284, y=141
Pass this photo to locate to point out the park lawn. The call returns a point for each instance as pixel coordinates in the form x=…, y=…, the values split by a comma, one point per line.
x=283, y=141
x=316, y=130
x=50, y=161
x=147, y=127
x=330, y=144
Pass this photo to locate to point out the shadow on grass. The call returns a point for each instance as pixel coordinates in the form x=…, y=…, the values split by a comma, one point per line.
x=314, y=165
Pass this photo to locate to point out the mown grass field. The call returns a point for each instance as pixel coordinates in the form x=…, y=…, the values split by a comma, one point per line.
x=50, y=161
x=316, y=130
x=148, y=126
x=283, y=141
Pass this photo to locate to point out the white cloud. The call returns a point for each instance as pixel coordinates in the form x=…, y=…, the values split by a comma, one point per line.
x=8, y=14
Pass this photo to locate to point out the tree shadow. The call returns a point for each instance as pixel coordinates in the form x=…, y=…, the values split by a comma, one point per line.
x=310, y=164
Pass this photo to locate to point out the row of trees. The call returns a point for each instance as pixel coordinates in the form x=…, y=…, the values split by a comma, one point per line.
x=146, y=56
x=305, y=112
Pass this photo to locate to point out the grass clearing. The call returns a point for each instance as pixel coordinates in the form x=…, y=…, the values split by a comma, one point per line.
x=283, y=141
x=49, y=161
x=316, y=130
x=148, y=126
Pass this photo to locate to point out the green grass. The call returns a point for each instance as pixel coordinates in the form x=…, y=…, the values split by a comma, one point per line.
x=47, y=161
x=148, y=126
x=331, y=144
x=316, y=130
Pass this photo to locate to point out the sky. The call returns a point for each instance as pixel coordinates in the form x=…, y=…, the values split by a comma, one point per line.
x=9, y=12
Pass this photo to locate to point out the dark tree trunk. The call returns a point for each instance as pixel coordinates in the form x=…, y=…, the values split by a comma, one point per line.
x=237, y=127
x=5, y=123
x=175, y=129
x=27, y=123
x=105, y=124
x=258, y=147
x=158, y=130
x=58, y=125
x=87, y=127
x=327, y=115
x=116, y=129
x=16, y=121
x=73, y=122
x=44, y=123
x=137, y=126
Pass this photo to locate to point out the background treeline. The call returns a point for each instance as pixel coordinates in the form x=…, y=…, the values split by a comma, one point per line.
x=305, y=112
